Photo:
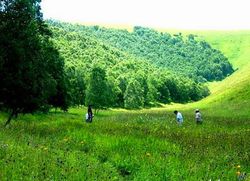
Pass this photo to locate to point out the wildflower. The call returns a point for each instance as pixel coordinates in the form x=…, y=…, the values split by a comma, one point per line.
x=238, y=173
x=238, y=166
x=148, y=154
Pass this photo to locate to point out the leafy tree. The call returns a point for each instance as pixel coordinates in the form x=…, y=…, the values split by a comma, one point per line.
x=166, y=88
x=76, y=85
x=133, y=97
x=30, y=65
x=153, y=92
x=96, y=93
x=113, y=92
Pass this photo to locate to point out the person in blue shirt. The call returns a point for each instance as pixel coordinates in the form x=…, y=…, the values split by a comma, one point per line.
x=179, y=117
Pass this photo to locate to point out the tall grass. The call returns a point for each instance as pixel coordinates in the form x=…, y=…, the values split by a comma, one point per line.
x=124, y=145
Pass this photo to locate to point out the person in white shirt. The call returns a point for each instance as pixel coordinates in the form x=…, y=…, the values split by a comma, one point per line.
x=87, y=117
x=179, y=117
x=198, y=116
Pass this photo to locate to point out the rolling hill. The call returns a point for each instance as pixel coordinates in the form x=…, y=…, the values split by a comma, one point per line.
x=232, y=95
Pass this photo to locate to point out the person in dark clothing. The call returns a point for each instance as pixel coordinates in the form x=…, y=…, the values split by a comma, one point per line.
x=90, y=114
x=198, y=116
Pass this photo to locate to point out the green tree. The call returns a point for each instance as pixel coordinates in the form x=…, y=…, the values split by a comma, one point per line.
x=133, y=97
x=76, y=85
x=29, y=63
x=113, y=92
x=96, y=93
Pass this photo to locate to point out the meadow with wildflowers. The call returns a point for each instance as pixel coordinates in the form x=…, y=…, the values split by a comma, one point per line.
x=125, y=145
x=144, y=144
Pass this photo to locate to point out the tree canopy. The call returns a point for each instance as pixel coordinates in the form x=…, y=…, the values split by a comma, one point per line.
x=128, y=77
x=31, y=69
x=185, y=55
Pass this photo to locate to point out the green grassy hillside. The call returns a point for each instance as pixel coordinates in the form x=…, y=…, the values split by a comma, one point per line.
x=234, y=44
x=231, y=96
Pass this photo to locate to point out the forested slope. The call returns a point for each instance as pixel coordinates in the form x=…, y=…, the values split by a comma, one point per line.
x=182, y=54
x=127, y=78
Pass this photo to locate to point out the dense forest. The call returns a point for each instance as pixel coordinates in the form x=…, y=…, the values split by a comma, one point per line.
x=184, y=55
x=136, y=72
x=45, y=64
x=128, y=80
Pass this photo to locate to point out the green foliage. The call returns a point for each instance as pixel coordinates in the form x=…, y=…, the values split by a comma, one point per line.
x=113, y=92
x=31, y=71
x=133, y=97
x=188, y=56
x=76, y=83
x=141, y=144
x=97, y=90
x=82, y=51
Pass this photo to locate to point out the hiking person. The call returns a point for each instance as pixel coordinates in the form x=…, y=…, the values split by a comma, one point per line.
x=198, y=116
x=179, y=117
x=89, y=115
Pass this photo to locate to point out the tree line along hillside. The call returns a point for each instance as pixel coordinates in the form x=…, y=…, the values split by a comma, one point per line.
x=184, y=55
x=53, y=64
x=105, y=76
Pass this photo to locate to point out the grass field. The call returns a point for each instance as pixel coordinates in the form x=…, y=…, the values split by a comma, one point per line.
x=124, y=145
x=141, y=145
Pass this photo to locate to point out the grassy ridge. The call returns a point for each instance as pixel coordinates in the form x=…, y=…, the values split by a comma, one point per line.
x=234, y=44
x=230, y=97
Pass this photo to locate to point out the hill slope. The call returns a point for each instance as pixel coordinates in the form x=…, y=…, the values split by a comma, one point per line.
x=232, y=95
x=83, y=51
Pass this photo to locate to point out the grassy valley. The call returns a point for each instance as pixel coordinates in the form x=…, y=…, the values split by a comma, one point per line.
x=142, y=144
x=134, y=79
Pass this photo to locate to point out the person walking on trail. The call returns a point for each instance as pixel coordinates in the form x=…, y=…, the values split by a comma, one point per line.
x=179, y=117
x=89, y=115
x=198, y=116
